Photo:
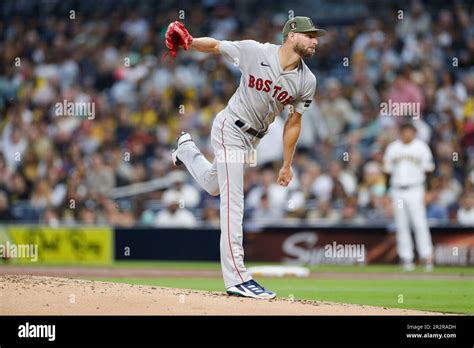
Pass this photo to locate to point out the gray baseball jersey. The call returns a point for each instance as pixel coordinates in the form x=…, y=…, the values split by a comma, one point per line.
x=263, y=93
x=265, y=89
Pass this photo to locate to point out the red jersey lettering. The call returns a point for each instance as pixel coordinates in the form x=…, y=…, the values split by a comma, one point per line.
x=277, y=89
x=251, y=81
x=282, y=96
x=267, y=86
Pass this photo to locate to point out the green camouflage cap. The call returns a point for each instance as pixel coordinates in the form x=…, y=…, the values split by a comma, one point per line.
x=301, y=25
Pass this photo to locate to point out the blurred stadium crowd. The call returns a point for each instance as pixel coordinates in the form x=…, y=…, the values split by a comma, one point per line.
x=62, y=169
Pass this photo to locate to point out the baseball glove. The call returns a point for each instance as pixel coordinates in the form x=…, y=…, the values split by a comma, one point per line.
x=177, y=36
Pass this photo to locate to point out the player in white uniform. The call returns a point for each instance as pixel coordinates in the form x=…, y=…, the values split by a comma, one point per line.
x=407, y=160
x=273, y=77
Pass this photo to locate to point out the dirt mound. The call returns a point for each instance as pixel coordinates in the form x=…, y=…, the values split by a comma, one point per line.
x=33, y=295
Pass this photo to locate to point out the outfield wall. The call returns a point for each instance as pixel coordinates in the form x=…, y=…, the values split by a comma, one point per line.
x=454, y=245
x=167, y=244
x=24, y=244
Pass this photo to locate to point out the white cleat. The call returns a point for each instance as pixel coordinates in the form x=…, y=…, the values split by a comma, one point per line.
x=428, y=267
x=408, y=266
x=183, y=138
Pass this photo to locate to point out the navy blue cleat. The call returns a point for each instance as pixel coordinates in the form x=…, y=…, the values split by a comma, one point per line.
x=252, y=289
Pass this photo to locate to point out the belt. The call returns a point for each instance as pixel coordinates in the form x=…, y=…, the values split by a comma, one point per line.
x=250, y=130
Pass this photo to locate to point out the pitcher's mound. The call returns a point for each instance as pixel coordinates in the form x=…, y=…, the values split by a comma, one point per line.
x=32, y=295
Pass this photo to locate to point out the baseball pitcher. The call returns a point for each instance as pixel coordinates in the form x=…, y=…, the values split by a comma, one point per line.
x=407, y=160
x=273, y=77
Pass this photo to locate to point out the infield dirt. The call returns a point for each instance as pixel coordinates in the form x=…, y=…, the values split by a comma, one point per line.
x=39, y=295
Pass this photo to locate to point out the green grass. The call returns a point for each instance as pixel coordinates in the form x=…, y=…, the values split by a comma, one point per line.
x=193, y=265
x=314, y=268
x=451, y=296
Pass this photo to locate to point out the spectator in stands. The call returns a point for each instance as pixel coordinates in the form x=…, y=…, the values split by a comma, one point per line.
x=123, y=169
x=210, y=215
x=304, y=192
x=380, y=209
x=87, y=214
x=174, y=215
x=404, y=90
x=18, y=189
x=465, y=215
x=434, y=210
x=41, y=196
x=417, y=21
x=355, y=163
x=67, y=217
x=127, y=217
x=312, y=126
x=5, y=214
x=100, y=178
x=50, y=217
x=14, y=146
x=296, y=206
x=369, y=125
x=350, y=214
x=323, y=212
x=265, y=212
x=347, y=180
x=277, y=195
x=322, y=183
x=55, y=178
x=147, y=217
x=4, y=172
x=467, y=53
x=449, y=187
x=373, y=184
x=30, y=166
x=338, y=194
x=336, y=111
x=451, y=96
x=187, y=194
x=114, y=215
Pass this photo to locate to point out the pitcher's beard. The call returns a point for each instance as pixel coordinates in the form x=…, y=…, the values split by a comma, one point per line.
x=303, y=52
